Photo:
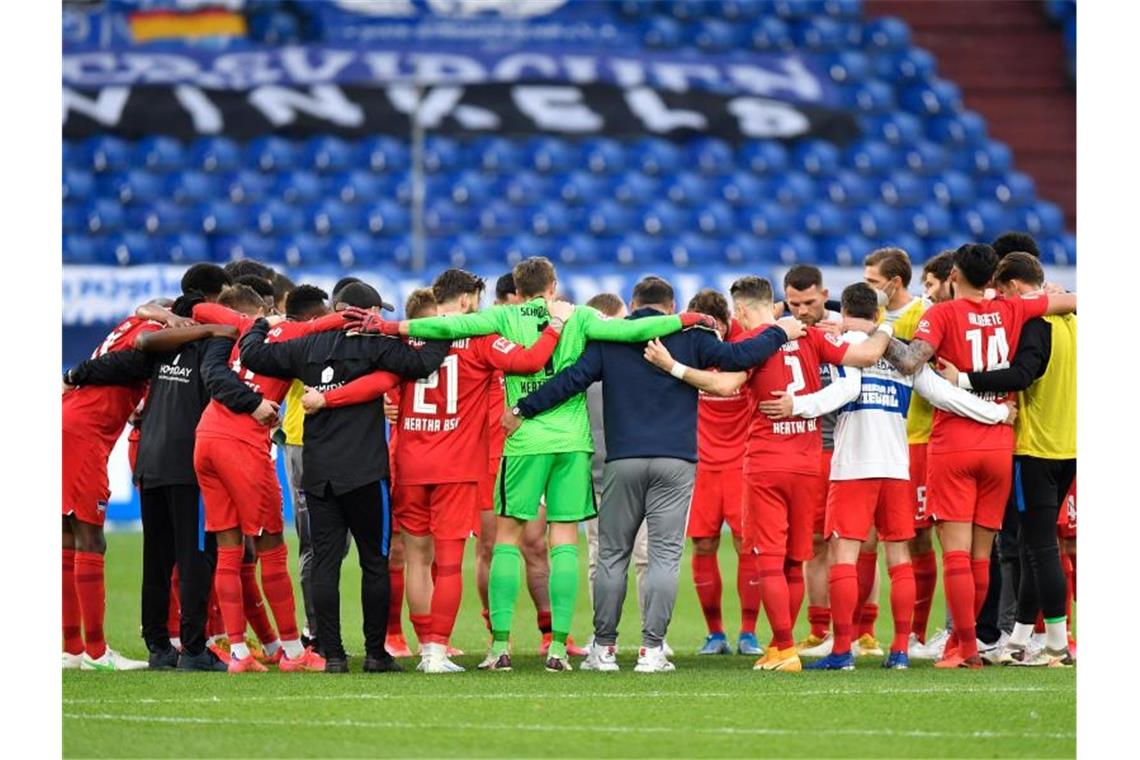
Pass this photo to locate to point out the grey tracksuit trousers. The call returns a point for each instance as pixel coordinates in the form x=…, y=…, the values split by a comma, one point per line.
x=657, y=491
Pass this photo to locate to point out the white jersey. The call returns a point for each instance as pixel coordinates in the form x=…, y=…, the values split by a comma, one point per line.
x=870, y=433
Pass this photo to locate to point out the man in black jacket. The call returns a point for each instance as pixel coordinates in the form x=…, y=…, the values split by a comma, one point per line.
x=345, y=465
x=171, y=360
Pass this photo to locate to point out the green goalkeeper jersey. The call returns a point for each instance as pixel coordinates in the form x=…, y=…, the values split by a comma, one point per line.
x=566, y=427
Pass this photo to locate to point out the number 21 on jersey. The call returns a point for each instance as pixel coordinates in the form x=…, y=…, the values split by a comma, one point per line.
x=450, y=369
x=996, y=350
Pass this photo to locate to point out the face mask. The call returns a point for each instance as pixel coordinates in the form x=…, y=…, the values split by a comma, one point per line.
x=882, y=298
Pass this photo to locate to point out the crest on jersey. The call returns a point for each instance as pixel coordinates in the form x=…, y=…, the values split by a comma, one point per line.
x=326, y=375
x=924, y=324
x=503, y=345
x=835, y=340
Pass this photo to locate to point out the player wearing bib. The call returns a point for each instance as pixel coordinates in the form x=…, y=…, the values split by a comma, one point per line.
x=968, y=465
x=549, y=455
x=782, y=454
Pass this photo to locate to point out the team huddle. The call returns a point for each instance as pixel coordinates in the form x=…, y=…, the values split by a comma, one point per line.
x=815, y=429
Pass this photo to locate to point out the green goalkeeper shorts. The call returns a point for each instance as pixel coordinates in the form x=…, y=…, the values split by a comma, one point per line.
x=565, y=479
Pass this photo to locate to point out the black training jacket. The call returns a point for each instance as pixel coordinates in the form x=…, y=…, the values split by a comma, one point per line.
x=177, y=396
x=344, y=447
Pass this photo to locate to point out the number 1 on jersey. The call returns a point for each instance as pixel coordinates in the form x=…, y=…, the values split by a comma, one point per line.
x=421, y=406
x=997, y=350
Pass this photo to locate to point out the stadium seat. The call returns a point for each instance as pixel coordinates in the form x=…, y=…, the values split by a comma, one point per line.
x=738, y=10
x=929, y=220
x=580, y=187
x=500, y=219
x=712, y=35
x=763, y=156
x=107, y=154
x=818, y=34
x=158, y=154
x=550, y=155
x=710, y=156
x=843, y=250
x=690, y=249
x=275, y=217
x=78, y=184
x=441, y=154
x=383, y=154
x=938, y=96
x=869, y=157
x=214, y=154
x=876, y=220
x=966, y=129
x=603, y=156
x=687, y=188
x=985, y=220
x=991, y=158
x=519, y=247
x=182, y=249
x=220, y=218
x=582, y=250
x=816, y=157
x=247, y=186
x=741, y=188
x=1044, y=219
x=639, y=250
x=656, y=157
x=661, y=32
x=386, y=217
x=297, y=187
x=247, y=245
x=1011, y=189
x=158, y=218
x=847, y=188
x=953, y=188
x=79, y=248
x=715, y=219
x=847, y=66
x=896, y=128
x=886, y=34
x=665, y=219
x=549, y=219
x=74, y=219
x=766, y=219
x=794, y=249
x=526, y=188
x=326, y=154
x=822, y=219
x=472, y=188
x=496, y=155
x=1060, y=251
x=901, y=188
x=193, y=187
x=359, y=186
x=635, y=189
x=270, y=154
x=791, y=9
x=608, y=218
x=793, y=188
x=333, y=217
x=304, y=249
x=771, y=34
x=129, y=248
x=745, y=249
x=906, y=67
x=870, y=97
x=134, y=186
x=926, y=158
x=103, y=217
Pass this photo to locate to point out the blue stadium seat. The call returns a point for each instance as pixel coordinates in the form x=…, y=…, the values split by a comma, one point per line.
x=602, y=155
x=822, y=219
x=334, y=217
x=737, y=10
x=912, y=244
x=1011, y=189
x=298, y=187
x=75, y=157
x=382, y=154
x=926, y=158
x=886, y=34
x=906, y=67
x=816, y=157
x=763, y=156
x=901, y=188
x=134, y=186
x=129, y=248
x=79, y=249
x=215, y=154
x=359, y=186
x=661, y=32
x=608, y=218
x=356, y=249
x=847, y=188
x=580, y=187
x=78, y=184
x=247, y=245
x=499, y=218
x=684, y=10
x=107, y=154
x=182, y=249
x=193, y=187
x=870, y=157
x=794, y=249
x=1044, y=219
x=275, y=217
x=992, y=158
x=74, y=219
x=869, y=97
x=938, y=96
x=549, y=219
x=876, y=220
x=656, y=157
x=550, y=155
x=247, y=186
x=1059, y=251
x=766, y=219
x=581, y=250
x=639, y=250
x=985, y=220
x=771, y=34
x=716, y=219
x=662, y=218
x=953, y=188
x=472, y=188
x=741, y=188
x=103, y=217
x=526, y=188
x=710, y=155
x=847, y=66
x=471, y=251
x=690, y=249
x=270, y=154
x=896, y=128
x=966, y=129
x=793, y=188
x=712, y=35
x=158, y=154
x=792, y=9
x=952, y=242
x=930, y=220
x=818, y=34
x=519, y=247
x=636, y=189
x=326, y=154
x=843, y=250
x=304, y=249
x=441, y=154
x=746, y=249
x=496, y=155
x=158, y=218
x=687, y=188
x=220, y=218
x=386, y=217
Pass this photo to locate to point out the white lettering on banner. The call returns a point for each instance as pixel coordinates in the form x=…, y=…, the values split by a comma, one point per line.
x=386, y=9
x=159, y=68
x=92, y=68
x=445, y=67
x=676, y=76
x=105, y=108
x=325, y=101
x=514, y=67
x=767, y=118
x=559, y=108
x=244, y=70
x=206, y=116
x=657, y=116
x=295, y=61
x=795, y=77
x=581, y=69
x=628, y=73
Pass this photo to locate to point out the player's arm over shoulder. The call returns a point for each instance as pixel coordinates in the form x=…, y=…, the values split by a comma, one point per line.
x=597, y=326
x=1055, y=303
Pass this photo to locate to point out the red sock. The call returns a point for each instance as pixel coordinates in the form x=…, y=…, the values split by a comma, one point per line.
x=1039, y=626
x=421, y=624
x=820, y=619
x=706, y=580
x=278, y=588
x=254, y=605
x=487, y=618
x=843, y=585
x=1073, y=562
x=396, y=601
x=865, y=573
x=92, y=600
x=794, y=573
x=544, y=624
x=72, y=612
x=958, y=579
x=868, y=614
x=748, y=588
x=902, y=604
x=981, y=570
x=774, y=593
x=448, y=590
x=925, y=579
x=228, y=585
x=215, y=626
x=1067, y=566
x=174, y=611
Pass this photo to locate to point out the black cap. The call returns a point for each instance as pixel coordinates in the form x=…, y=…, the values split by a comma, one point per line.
x=505, y=286
x=362, y=295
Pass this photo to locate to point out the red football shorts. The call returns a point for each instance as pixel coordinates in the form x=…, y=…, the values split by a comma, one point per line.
x=85, y=486
x=717, y=497
x=1067, y=514
x=445, y=511
x=239, y=487
x=969, y=486
x=918, y=483
x=854, y=506
x=823, y=484
x=487, y=485
x=133, y=448
x=779, y=508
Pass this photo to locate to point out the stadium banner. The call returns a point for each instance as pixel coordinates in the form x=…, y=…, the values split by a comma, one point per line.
x=186, y=112
x=786, y=76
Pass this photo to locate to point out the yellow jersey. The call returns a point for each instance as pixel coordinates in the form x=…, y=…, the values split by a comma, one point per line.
x=920, y=414
x=1046, y=425
x=294, y=424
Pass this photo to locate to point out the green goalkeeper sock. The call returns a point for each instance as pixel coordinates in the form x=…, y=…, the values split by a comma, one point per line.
x=563, y=594
x=502, y=592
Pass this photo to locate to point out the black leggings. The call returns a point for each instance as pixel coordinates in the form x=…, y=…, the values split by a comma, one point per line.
x=1039, y=488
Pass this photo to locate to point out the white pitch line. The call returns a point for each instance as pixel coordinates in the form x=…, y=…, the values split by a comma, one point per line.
x=593, y=728
x=561, y=695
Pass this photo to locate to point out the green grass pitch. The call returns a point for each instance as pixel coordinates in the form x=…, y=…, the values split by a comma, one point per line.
x=710, y=707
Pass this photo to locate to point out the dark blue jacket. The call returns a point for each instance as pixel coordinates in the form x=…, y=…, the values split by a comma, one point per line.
x=648, y=412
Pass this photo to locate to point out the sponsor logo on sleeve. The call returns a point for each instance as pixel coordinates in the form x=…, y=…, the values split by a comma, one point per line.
x=503, y=345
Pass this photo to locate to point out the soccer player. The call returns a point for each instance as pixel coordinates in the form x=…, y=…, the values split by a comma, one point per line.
x=722, y=434
x=870, y=476
x=936, y=277
x=345, y=465
x=968, y=465
x=1043, y=372
x=651, y=453
x=781, y=455
x=550, y=455
x=440, y=450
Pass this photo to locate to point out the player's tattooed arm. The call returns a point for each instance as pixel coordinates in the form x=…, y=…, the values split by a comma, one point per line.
x=173, y=338
x=716, y=383
x=909, y=358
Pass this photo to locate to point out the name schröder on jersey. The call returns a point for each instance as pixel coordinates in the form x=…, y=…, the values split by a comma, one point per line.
x=795, y=427
x=429, y=424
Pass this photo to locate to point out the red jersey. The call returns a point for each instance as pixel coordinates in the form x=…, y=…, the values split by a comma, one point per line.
x=496, y=405
x=443, y=424
x=218, y=421
x=976, y=336
x=722, y=423
x=99, y=412
x=793, y=444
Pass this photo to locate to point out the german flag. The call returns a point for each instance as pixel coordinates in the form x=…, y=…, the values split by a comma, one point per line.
x=151, y=26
